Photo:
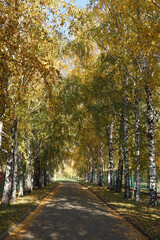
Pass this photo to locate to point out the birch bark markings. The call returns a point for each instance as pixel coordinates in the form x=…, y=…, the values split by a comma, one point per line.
x=151, y=149
x=151, y=137
x=8, y=181
x=111, y=163
x=137, y=146
x=126, y=156
x=90, y=177
x=9, y=167
x=101, y=182
x=15, y=154
x=20, y=193
x=28, y=180
x=121, y=158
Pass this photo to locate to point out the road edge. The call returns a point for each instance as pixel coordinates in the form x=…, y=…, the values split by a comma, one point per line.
x=120, y=214
x=6, y=234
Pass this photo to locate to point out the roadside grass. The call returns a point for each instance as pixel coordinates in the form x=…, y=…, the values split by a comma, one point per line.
x=10, y=215
x=144, y=218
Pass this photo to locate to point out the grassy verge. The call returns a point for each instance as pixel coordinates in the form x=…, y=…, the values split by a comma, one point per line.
x=9, y=216
x=144, y=218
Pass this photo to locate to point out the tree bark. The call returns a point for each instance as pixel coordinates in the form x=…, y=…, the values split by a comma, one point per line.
x=8, y=181
x=151, y=147
x=9, y=168
x=126, y=158
x=20, y=193
x=14, y=184
x=101, y=182
x=29, y=174
x=120, y=170
x=137, y=147
x=111, y=163
x=90, y=175
x=96, y=174
x=15, y=156
x=38, y=173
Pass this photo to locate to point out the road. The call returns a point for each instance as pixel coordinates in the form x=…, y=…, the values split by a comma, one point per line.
x=75, y=213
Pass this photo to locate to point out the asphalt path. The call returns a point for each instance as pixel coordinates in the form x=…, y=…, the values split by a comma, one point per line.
x=75, y=213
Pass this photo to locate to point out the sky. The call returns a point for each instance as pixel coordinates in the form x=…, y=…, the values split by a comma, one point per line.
x=80, y=3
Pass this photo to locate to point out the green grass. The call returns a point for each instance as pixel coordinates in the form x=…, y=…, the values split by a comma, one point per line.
x=10, y=215
x=66, y=179
x=138, y=213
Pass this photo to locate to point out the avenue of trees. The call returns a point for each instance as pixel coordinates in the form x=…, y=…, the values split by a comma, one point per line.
x=91, y=94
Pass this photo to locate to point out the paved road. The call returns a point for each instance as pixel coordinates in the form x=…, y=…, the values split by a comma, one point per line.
x=74, y=213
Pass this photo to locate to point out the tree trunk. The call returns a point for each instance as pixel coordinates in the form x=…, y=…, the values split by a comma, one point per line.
x=20, y=193
x=8, y=181
x=38, y=173
x=137, y=148
x=111, y=163
x=15, y=157
x=14, y=184
x=96, y=174
x=9, y=168
x=133, y=186
x=29, y=174
x=90, y=179
x=126, y=159
x=101, y=182
x=151, y=148
x=120, y=170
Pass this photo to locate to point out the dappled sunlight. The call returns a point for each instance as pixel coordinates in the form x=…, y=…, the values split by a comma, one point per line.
x=77, y=214
x=29, y=235
x=59, y=204
x=126, y=205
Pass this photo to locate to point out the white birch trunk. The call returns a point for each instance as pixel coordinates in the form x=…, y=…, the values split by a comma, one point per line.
x=96, y=174
x=137, y=148
x=20, y=193
x=126, y=157
x=101, y=182
x=8, y=181
x=38, y=172
x=111, y=163
x=9, y=168
x=29, y=174
x=90, y=179
x=120, y=170
x=151, y=148
x=151, y=139
x=14, y=185
x=15, y=155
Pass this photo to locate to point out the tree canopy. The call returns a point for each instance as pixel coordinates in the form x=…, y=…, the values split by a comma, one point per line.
x=80, y=84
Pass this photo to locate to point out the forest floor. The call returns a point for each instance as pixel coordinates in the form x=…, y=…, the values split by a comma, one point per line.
x=10, y=216
x=147, y=220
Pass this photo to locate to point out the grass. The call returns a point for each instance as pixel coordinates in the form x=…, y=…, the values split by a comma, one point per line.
x=144, y=218
x=10, y=215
